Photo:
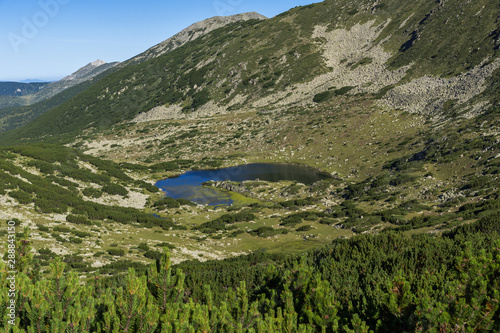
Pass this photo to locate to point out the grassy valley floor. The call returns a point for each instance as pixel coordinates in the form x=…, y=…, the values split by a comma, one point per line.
x=390, y=170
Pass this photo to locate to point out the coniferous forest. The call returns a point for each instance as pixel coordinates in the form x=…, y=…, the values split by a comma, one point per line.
x=390, y=282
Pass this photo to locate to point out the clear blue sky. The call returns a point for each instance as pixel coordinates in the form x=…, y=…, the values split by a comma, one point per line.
x=49, y=39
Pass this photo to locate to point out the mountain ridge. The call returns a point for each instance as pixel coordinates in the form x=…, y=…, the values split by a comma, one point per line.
x=190, y=33
x=10, y=88
x=83, y=74
x=380, y=50
x=12, y=117
x=50, y=89
x=33, y=81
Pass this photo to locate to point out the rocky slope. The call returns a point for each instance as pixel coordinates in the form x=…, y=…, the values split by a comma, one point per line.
x=44, y=91
x=83, y=74
x=191, y=33
x=16, y=110
x=434, y=59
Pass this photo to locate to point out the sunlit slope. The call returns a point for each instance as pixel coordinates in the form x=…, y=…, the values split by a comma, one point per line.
x=425, y=57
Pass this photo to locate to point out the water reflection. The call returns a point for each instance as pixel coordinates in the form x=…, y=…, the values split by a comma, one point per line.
x=188, y=185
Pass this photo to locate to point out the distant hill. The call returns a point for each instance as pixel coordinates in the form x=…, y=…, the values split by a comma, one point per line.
x=14, y=94
x=13, y=117
x=21, y=89
x=32, y=81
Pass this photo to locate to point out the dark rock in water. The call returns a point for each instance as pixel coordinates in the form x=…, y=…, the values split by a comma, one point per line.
x=231, y=186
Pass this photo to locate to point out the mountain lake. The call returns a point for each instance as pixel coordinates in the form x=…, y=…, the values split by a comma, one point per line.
x=189, y=184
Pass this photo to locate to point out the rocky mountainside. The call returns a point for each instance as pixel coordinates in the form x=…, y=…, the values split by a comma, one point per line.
x=17, y=111
x=85, y=73
x=191, y=33
x=31, y=93
x=434, y=58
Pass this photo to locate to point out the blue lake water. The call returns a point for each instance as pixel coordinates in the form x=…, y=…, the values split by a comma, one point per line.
x=188, y=185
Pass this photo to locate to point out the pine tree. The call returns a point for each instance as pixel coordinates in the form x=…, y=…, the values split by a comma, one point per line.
x=111, y=322
x=398, y=300
x=150, y=319
x=206, y=316
x=165, y=286
x=38, y=308
x=321, y=306
x=131, y=301
x=237, y=313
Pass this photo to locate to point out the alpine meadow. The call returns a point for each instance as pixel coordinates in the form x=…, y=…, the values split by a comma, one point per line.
x=382, y=118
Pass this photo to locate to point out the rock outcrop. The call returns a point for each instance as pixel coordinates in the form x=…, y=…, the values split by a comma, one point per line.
x=229, y=186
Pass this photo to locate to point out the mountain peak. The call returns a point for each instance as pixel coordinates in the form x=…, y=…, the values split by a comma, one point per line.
x=87, y=71
x=239, y=17
x=193, y=32
x=97, y=63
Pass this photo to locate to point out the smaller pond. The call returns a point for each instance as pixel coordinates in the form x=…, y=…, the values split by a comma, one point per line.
x=188, y=185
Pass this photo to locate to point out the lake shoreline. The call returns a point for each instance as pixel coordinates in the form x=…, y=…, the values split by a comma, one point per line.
x=189, y=185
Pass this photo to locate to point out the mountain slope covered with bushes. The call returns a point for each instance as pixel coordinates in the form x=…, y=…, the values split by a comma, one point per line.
x=433, y=58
